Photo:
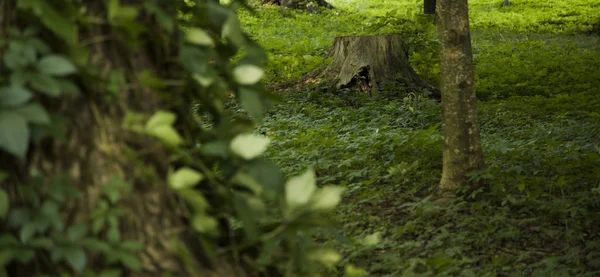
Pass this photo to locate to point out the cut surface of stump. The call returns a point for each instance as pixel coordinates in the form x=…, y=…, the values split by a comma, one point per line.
x=364, y=62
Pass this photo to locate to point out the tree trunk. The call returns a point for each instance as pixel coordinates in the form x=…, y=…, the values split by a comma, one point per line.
x=364, y=62
x=462, y=147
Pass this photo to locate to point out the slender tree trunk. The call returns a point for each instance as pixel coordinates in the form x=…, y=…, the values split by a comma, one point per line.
x=462, y=147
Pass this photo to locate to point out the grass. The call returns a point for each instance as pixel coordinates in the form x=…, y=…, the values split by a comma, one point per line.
x=538, y=82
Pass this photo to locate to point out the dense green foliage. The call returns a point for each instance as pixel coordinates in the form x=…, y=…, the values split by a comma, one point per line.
x=57, y=221
x=537, y=72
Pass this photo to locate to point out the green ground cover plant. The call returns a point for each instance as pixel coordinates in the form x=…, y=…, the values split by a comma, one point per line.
x=538, y=82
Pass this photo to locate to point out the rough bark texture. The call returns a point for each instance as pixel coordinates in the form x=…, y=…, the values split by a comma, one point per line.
x=366, y=61
x=462, y=147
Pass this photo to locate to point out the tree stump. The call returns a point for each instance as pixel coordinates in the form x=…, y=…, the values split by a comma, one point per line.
x=300, y=4
x=364, y=62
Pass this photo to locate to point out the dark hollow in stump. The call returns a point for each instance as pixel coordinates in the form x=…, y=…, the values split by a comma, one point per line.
x=363, y=62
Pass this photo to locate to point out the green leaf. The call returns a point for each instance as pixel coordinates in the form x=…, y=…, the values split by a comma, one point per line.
x=76, y=232
x=167, y=134
x=198, y=36
x=43, y=243
x=159, y=126
x=19, y=55
x=196, y=200
x=247, y=216
x=130, y=261
x=56, y=65
x=68, y=87
x=248, y=74
x=299, y=189
x=8, y=241
x=113, y=235
x=27, y=232
x=33, y=113
x=161, y=118
x=52, y=19
x=14, y=96
x=50, y=209
x=4, y=204
x=251, y=102
x=98, y=225
x=328, y=257
x=184, y=178
x=204, y=224
x=233, y=31
x=46, y=84
x=215, y=148
x=372, y=239
x=326, y=198
x=149, y=79
x=96, y=245
x=132, y=245
x=15, y=139
x=76, y=258
x=249, y=146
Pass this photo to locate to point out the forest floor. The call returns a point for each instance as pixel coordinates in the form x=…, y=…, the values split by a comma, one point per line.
x=538, y=79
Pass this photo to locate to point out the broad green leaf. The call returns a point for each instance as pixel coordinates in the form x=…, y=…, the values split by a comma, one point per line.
x=129, y=260
x=43, y=243
x=68, y=87
x=300, y=189
x=372, y=239
x=184, y=178
x=327, y=198
x=76, y=258
x=96, y=245
x=328, y=257
x=205, y=79
x=132, y=245
x=24, y=255
x=160, y=126
x=353, y=271
x=167, y=134
x=34, y=113
x=76, y=232
x=46, y=84
x=113, y=235
x=52, y=19
x=19, y=55
x=196, y=200
x=161, y=118
x=4, y=204
x=14, y=96
x=248, y=181
x=165, y=20
x=249, y=146
x=198, y=36
x=14, y=137
x=27, y=232
x=247, y=215
x=233, y=31
x=248, y=74
x=204, y=224
x=251, y=102
x=149, y=79
x=215, y=148
x=56, y=65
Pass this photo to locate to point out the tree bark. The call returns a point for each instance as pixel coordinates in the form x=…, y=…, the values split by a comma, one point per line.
x=462, y=150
